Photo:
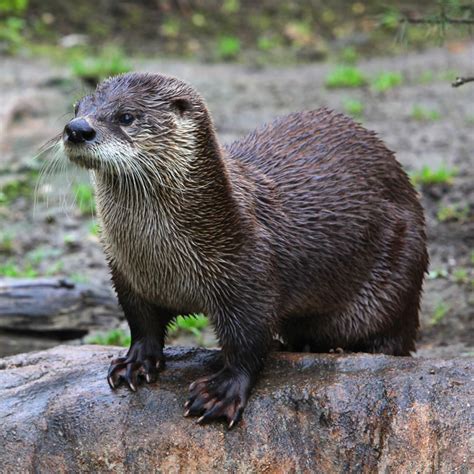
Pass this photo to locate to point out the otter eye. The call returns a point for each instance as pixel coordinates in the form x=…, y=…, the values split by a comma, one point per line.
x=126, y=119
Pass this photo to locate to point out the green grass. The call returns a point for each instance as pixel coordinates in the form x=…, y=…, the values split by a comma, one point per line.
x=461, y=275
x=386, y=81
x=114, y=337
x=6, y=242
x=14, y=189
x=192, y=324
x=345, y=76
x=354, y=107
x=453, y=213
x=94, y=228
x=12, y=270
x=437, y=273
x=426, y=77
x=93, y=69
x=423, y=114
x=440, y=311
x=228, y=47
x=428, y=176
x=85, y=198
x=349, y=55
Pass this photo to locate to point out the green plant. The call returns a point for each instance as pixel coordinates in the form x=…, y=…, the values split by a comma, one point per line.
x=6, y=242
x=194, y=324
x=354, y=107
x=10, y=269
x=85, y=198
x=423, y=114
x=15, y=189
x=386, y=81
x=426, y=77
x=455, y=212
x=228, y=47
x=437, y=273
x=12, y=25
x=94, y=228
x=428, y=176
x=440, y=311
x=93, y=69
x=349, y=55
x=345, y=76
x=55, y=268
x=461, y=275
x=78, y=278
x=114, y=337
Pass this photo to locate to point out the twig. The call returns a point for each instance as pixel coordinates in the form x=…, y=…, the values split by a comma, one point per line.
x=436, y=20
x=459, y=81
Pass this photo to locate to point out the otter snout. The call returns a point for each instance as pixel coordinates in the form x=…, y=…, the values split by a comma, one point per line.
x=78, y=130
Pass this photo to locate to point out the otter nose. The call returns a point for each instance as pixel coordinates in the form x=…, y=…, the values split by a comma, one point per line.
x=78, y=130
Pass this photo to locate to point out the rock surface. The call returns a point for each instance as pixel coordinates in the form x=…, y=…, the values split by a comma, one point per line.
x=309, y=413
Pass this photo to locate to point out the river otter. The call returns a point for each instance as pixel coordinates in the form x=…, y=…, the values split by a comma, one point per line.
x=307, y=228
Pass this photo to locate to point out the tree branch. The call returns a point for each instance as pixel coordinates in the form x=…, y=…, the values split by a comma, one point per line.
x=437, y=20
x=462, y=80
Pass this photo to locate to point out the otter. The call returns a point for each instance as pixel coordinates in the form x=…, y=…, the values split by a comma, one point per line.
x=307, y=230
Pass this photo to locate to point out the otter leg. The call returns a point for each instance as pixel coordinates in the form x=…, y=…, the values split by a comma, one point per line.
x=245, y=342
x=148, y=323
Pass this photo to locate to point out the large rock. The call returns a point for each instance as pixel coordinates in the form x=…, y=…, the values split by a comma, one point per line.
x=309, y=413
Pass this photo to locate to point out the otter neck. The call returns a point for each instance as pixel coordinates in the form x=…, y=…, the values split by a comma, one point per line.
x=200, y=203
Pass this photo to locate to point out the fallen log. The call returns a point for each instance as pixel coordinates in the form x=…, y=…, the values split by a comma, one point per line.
x=309, y=413
x=54, y=306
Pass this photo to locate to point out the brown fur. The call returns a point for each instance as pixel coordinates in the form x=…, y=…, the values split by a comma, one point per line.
x=308, y=228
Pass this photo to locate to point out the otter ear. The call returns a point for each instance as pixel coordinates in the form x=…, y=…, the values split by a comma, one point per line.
x=181, y=105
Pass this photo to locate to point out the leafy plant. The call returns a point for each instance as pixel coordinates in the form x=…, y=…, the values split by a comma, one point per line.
x=386, y=81
x=114, y=337
x=6, y=242
x=93, y=69
x=193, y=324
x=428, y=176
x=12, y=270
x=85, y=198
x=354, y=107
x=349, y=55
x=423, y=114
x=94, y=228
x=437, y=273
x=228, y=47
x=461, y=275
x=453, y=213
x=12, y=24
x=440, y=311
x=345, y=76
x=15, y=189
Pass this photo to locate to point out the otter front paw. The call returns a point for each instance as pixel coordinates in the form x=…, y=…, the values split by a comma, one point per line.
x=222, y=395
x=143, y=361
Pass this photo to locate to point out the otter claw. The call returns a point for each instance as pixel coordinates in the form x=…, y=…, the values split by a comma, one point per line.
x=223, y=395
x=132, y=370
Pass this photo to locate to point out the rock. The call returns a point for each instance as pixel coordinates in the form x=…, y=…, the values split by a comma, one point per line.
x=309, y=413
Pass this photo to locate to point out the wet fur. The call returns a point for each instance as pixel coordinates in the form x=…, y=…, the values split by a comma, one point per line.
x=308, y=228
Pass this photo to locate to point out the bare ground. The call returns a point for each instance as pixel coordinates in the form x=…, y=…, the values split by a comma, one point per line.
x=37, y=99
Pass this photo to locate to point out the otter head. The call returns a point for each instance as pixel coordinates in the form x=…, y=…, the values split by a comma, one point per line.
x=138, y=123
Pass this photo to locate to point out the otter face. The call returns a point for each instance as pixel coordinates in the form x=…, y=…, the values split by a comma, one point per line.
x=136, y=123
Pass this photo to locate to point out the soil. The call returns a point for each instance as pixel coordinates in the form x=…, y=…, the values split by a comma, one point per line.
x=53, y=238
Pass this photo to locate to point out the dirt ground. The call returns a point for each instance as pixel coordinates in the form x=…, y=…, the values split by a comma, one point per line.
x=53, y=239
